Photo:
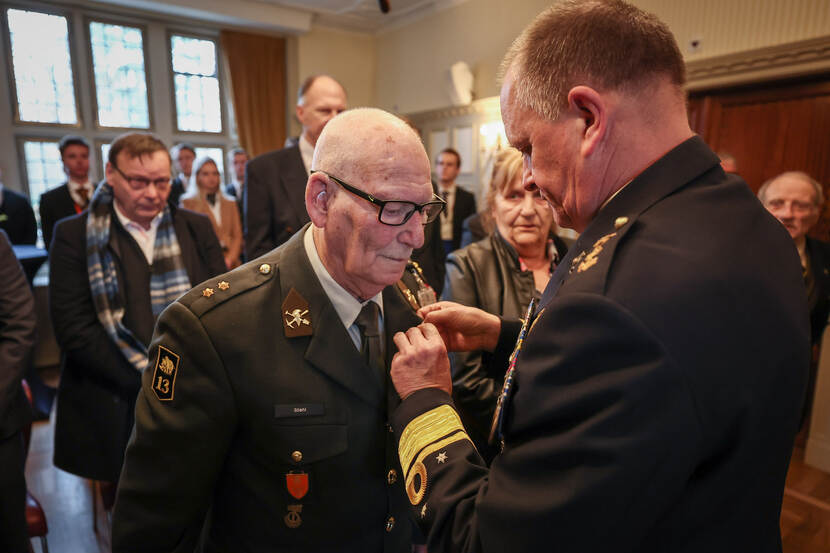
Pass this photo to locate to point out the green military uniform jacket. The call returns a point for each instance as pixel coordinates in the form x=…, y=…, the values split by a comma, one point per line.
x=262, y=421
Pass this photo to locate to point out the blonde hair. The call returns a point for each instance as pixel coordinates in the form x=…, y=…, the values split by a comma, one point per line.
x=507, y=166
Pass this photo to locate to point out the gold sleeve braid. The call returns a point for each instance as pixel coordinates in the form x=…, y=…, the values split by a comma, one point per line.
x=424, y=435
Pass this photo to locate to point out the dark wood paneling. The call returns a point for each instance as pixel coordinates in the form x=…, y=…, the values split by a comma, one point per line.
x=771, y=129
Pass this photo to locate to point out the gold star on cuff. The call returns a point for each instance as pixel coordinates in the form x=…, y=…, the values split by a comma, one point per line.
x=207, y=292
x=441, y=457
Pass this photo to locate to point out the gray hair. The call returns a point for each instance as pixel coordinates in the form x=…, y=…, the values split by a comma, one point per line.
x=819, y=190
x=608, y=45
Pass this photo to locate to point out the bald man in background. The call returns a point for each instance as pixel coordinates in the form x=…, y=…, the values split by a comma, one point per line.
x=273, y=194
x=268, y=394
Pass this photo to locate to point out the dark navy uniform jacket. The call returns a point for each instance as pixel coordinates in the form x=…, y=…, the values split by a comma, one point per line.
x=243, y=413
x=656, y=396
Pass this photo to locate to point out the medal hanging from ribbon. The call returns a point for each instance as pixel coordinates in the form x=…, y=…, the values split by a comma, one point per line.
x=496, y=433
x=426, y=295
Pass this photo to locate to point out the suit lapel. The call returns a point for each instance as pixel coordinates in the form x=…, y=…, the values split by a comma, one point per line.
x=329, y=349
x=290, y=178
x=398, y=316
x=187, y=246
x=66, y=203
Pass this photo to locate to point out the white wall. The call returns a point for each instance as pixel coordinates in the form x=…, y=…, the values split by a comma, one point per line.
x=349, y=57
x=413, y=59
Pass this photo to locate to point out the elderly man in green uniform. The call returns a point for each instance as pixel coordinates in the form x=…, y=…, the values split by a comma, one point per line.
x=262, y=419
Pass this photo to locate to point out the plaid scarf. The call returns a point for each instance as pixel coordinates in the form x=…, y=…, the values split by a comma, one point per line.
x=168, y=279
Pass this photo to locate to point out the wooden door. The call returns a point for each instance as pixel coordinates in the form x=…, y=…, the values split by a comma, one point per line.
x=769, y=129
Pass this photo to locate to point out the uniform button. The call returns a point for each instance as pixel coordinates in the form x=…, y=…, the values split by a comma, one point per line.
x=392, y=476
x=390, y=523
x=264, y=269
x=297, y=456
x=389, y=428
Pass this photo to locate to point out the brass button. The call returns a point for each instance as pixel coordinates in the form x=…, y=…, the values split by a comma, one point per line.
x=620, y=222
x=390, y=523
x=264, y=269
x=392, y=476
x=297, y=456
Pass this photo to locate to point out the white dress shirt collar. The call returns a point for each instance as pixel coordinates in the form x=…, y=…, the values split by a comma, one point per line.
x=306, y=152
x=74, y=186
x=146, y=238
x=345, y=304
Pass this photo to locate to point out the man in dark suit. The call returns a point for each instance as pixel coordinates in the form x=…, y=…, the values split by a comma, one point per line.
x=796, y=199
x=183, y=155
x=17, y=338
x=460, y=203
x=100, y=279
x=17, y=218
x=278, y=431
x=71, y=197
x=655, y=395
x=275, y=182
x=237, y=159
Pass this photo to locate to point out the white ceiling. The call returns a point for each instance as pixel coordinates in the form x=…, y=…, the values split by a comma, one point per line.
x=362, y=15
x=287, y=16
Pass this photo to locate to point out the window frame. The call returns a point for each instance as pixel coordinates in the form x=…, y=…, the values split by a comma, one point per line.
x=66, y=13
x=171, y=32
x=93, y=92
x=98, y=142
x=19, y=140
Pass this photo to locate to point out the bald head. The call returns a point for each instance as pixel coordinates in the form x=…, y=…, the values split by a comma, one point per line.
x=795, y=199
x=366, y=141
x=320, y=99
x=374, y=152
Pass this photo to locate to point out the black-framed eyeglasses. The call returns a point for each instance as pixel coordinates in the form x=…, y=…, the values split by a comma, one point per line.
x=395, y=212
x=140, y=183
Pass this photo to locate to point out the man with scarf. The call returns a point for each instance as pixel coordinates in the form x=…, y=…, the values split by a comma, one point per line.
x=113, y=269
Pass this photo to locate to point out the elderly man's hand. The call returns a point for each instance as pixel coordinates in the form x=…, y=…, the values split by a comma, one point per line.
x=463, y=328
x=421, y=361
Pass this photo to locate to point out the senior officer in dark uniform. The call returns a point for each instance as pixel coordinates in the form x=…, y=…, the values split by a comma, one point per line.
x=653, y=402
x=264, y=410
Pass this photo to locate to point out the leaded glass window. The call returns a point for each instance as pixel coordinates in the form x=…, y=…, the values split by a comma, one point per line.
x=196, y=84
x=44, y=168
x=120, y=80
x=42, y=67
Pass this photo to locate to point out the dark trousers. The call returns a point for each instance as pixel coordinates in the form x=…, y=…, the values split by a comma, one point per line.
x=14, y=534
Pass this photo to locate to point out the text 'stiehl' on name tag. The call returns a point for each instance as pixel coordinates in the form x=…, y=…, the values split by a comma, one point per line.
x=299, y=410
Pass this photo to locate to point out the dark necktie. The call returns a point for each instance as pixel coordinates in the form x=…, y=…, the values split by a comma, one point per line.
x=84, y=194
x=211, y=198
x=367, y=322
x=444, y=195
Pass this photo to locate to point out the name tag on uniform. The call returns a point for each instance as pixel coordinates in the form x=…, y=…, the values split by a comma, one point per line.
x=299, y=410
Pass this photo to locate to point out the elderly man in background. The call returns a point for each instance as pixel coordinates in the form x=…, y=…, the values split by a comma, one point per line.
x=265, y=407
x=796, y=199
x=653, y=400
x=112, y=270
x=275, y=181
